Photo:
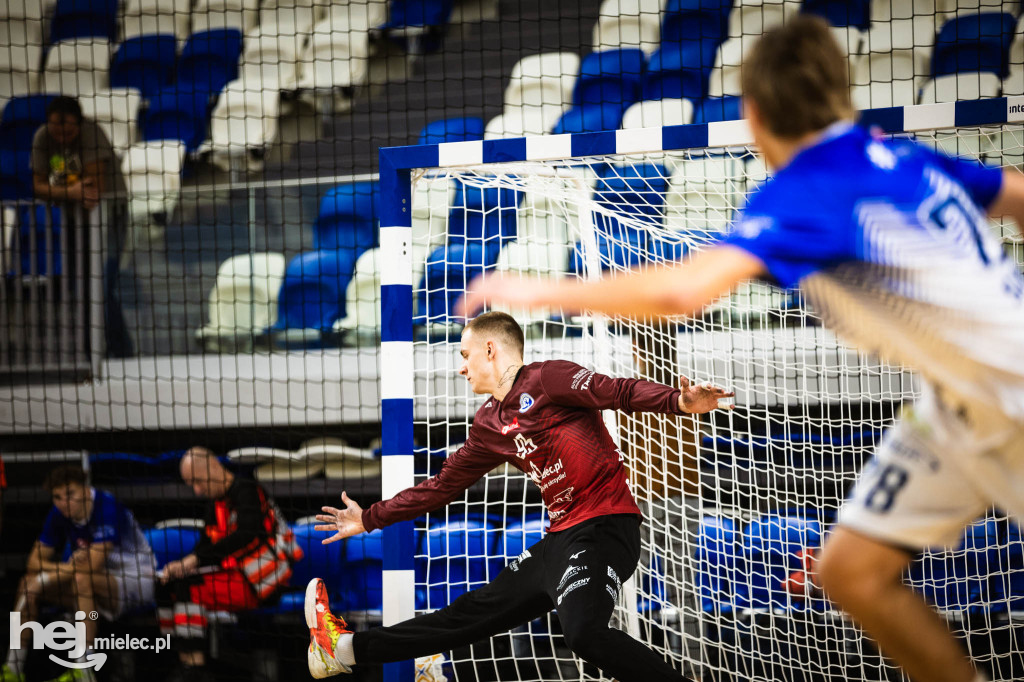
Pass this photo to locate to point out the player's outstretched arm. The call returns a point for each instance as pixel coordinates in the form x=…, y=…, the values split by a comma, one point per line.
x=345, y=522
x=675, y=290
x=1010, y=201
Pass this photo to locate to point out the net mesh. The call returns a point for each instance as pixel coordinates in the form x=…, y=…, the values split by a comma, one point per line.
x=736, y=501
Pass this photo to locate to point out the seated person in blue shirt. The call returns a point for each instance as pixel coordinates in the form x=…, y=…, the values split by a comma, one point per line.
x=91, y=556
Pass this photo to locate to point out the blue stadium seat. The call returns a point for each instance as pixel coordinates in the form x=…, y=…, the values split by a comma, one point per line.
x=972, y=578
x=21, y=118
x=975, y=42
x=450, y=269
x=348, y=218
x=652, y=583
x=403, y=13
x=715, y=109
x=680, y=71
x=855, y=13
x=15, y=174
x=313, y=293
x=84, y=19
x=717, y=565
x=521, y=534
x=34, y=222
x=488, y=214
x=318, y=561
x=771, y=547
x=610, y=77
x=171, y=543
x=459, y=556
x=209, y=60
x=1005, y=564
x=175, y=114
x=591, y=119
x=145, y=63
x=687, y=21
x=362, y=575
x=452, y=130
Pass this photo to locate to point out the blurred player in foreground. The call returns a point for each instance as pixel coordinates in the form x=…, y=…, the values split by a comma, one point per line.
x=544, y=419
x=891, y=245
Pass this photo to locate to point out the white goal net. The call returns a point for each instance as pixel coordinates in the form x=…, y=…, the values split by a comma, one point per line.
x=734, y=502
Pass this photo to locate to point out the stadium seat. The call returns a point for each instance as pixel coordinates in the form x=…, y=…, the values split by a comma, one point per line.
x=610, y=77
x=276, y=464
x=243, y=125
x=885, y=79
x=449, y=269
x=521, y=534
x=1013, y=84
x=271, y=61
x=77, y=66
x=542, y=79
x=209, y=15
x=15, y=174
x=690, y=22
x=37, y=242
x=680, y=71
x=527, y=257
x=175, y=114
x=312, y=296
x=20, y=120
x=856, y=13
x=431, y=201
x=145, y=63
x=954, y=87
x=363, y=16
x=975, y=42
x=115, y=111
x=771, y=548
x=591, y=118
x=318, y=560
x=518, y=121
x=293, y=21
x=21, y=53
x=657, y=113
x=362, y=299
x=84, y=19
x=452, y=130
x=1005, y=563
x=145, y=17
x=209, y=60
x=172, y=542
x=243, y=301
x=701, y=196
x=348, y=218
x=957, y=582
x=716, y=109
x=628, y=23
x=152, y=173
x=717, y=564
x=724, y=77
x=337, y=56
x=754, y=17
x=418, y=25
x=23, y=9
x=454, y=557
x=487, y=214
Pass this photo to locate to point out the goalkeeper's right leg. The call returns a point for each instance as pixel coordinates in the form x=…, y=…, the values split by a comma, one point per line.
x=326, y=630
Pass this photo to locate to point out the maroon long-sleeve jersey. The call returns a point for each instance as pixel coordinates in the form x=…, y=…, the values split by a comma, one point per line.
x=549, y=426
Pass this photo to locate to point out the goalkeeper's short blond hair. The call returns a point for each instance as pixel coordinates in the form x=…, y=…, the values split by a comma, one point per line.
x=500, y=324
x=797, y=77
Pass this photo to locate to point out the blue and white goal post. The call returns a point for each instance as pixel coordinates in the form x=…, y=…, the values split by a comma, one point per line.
x=731, y=501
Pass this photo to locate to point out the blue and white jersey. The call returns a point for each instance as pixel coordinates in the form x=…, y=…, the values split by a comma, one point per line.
x=891, y=245
x=110, y=521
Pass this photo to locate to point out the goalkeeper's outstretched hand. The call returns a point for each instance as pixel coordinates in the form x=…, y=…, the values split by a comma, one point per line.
x=515, y=292
x=702, y=398
x=345, y=522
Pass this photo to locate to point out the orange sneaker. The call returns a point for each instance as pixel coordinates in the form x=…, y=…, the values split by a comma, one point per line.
x=324, y=630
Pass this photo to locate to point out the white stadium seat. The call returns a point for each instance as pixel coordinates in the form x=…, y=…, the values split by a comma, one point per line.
x=659, y=112
x=243, y=124
x=362, y=299
x=152, y=173
x=22, y=9
x=702, y=194
x=78, y=66
x=628, y=23
x=547, y=78
x=283, y=21
x=337, y=56
x=960, y=86
x=271, y=60
x=209, y=15
x=142, y=17
x=754, y=17
x=116, y=112
x=243, y=301
x=524, y=120
x=1014, y=83
x=725, y=75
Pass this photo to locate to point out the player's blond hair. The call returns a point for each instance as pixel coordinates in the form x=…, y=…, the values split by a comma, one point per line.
x=796, y=76
x=499, y=324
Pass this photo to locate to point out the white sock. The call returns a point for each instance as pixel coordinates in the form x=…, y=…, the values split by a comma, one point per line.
x=16, y=660
x=343, y=650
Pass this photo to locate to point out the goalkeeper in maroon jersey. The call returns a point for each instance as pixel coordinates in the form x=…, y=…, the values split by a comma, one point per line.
x=544, y=419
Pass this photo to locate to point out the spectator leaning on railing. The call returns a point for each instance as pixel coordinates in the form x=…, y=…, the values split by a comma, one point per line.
x=107, y=565
x=242, y=560
x=73, y=162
